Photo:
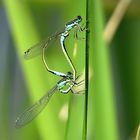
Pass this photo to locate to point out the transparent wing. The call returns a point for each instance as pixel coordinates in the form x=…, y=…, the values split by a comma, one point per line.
x=37, y=48
x=29, y=114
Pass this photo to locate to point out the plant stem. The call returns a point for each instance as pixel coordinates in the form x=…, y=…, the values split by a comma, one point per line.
x=86, y=75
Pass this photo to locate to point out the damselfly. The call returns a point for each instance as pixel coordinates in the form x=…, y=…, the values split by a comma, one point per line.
x=66, y=84
x=41, y=47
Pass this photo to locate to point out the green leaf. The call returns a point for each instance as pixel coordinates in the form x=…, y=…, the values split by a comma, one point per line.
x=102, y=121
x=37, y=79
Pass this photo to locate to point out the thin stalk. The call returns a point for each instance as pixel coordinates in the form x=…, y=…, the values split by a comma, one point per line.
x=86, y=75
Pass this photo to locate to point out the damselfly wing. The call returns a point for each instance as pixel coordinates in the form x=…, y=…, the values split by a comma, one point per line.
x=29, y=114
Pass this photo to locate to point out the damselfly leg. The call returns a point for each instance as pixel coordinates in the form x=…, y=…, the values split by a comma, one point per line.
x=71, y=83
x=80, y=28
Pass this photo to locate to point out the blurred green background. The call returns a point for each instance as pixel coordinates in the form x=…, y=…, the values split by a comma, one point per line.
x=114, y=77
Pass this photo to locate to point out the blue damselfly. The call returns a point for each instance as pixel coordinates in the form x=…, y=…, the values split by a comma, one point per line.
x=66, y=84
x=41, y=47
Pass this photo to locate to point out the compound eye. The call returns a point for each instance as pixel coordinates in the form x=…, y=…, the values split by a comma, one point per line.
x=69, y=73
x=79, y=17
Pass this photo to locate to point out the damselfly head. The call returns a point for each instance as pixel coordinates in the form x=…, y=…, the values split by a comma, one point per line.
x=78, y=19
x=70, y=75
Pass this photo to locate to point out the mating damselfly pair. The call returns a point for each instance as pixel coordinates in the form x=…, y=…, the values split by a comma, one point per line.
x=68, y=81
